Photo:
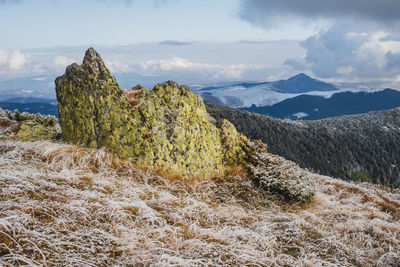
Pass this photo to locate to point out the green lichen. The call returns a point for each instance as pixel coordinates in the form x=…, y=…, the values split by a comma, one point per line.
x=26, y=127
x=232, y=142
x=167, y=126
x=34, y=131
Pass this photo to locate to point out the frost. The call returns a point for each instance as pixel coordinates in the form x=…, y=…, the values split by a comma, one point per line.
x=279, y=176
x=61, y=205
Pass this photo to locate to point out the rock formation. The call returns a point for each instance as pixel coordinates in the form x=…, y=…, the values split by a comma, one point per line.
x=167, y=126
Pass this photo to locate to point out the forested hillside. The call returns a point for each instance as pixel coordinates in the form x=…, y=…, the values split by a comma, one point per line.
x=358, y=147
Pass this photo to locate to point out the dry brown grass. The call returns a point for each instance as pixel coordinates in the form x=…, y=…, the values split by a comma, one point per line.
x=130, y=94
x=64, y=205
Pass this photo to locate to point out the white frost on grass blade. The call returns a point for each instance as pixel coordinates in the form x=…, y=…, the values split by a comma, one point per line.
x=64, y=205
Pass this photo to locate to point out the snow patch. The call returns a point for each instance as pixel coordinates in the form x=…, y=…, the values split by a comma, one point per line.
x=300, y=115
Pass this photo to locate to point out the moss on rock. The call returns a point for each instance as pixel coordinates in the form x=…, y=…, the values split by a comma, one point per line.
x=27, y=127
x=233, y=143
x=167, y=126
x=35, y=131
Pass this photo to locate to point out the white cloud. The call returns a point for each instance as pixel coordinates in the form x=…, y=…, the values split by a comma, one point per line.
x=177, y=64
x=345, y=70
x=18, y=60
x=116, y=66
x=343, y=53
x=60, y=62
x=14, y=61
x=270, y=13
x=359, y=40
x=3, y=57
x=39, y=78
x=170, y=64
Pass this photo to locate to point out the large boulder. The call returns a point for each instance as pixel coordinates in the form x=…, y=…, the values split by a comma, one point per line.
x=167, y=126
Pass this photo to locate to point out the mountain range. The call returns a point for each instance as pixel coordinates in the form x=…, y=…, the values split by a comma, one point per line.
x=30, y=104
x=311, y=107
x=299, y=97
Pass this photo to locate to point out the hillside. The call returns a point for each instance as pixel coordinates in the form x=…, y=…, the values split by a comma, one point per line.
x=359, y=147
x=38, y=106
x=312, y=107
x=65, y=205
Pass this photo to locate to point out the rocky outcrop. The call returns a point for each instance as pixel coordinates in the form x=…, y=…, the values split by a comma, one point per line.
x=167, y=126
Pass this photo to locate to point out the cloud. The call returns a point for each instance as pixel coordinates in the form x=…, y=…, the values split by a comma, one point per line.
x=268, y=13
x=180, y=65
x=60, y=63
x=116, y=66
x=392, y=62
x=340, y=52
x=362, y=42
x=17, y=60
x=297, y=63
x=174, y=43
x=171, y=64
x=12, y=61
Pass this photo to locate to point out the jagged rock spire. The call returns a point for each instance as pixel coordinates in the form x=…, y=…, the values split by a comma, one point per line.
x=95, y=64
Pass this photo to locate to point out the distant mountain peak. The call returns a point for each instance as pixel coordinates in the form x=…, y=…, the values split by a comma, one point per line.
x=300, y=76
x=302, y=83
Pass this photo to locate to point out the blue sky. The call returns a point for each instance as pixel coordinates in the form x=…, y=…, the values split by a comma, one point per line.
x=44, y=23
x=201, y=42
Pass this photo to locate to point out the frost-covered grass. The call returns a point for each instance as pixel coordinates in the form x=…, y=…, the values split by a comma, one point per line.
x=63, y=205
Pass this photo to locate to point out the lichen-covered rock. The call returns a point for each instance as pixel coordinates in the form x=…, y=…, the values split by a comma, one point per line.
x=233, y=142
x=27, y=127
x=30, y=131
x=277, y=175
x=167, y=126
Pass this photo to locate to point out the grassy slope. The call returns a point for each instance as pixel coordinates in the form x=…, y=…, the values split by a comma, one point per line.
x=64, y=205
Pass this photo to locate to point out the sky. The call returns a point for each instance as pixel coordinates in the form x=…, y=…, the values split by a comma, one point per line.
x=201, y=42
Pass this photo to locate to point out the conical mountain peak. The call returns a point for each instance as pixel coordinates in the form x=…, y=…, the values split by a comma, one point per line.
x=300, y=76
